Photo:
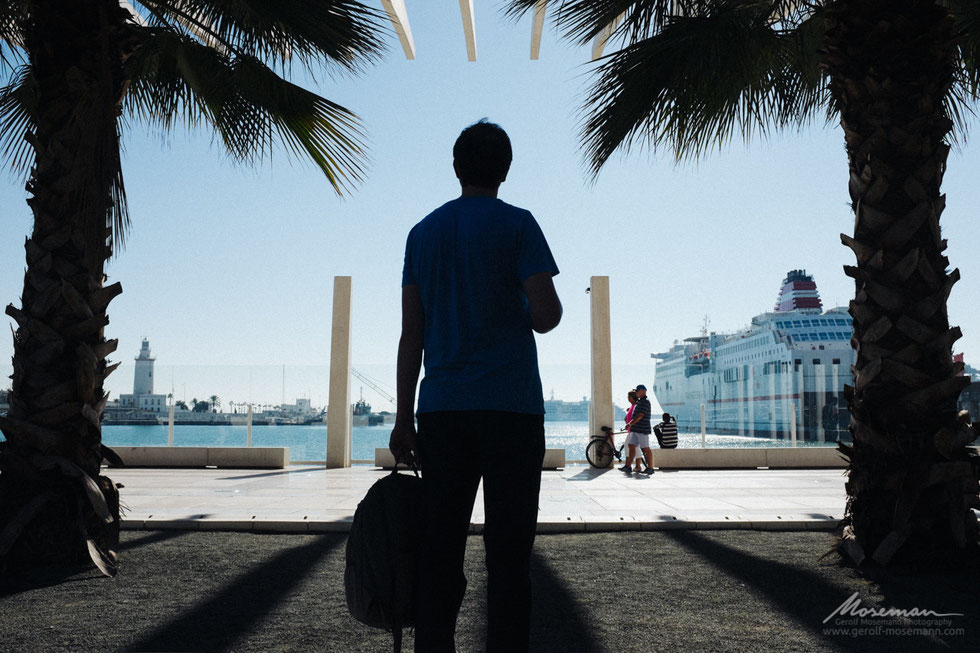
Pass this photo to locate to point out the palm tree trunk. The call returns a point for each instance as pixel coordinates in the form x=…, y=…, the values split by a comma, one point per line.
x=54, y=506
x=911, y=479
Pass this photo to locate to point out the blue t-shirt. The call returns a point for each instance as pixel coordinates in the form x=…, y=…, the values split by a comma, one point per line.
x=469, y=258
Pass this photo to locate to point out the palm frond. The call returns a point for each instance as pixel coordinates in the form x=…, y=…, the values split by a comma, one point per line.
x=582, y=20
x=800, y=82
x=344, y=33
x=701, y=80
x=174, y=78
x=18, y=108
x=966, y=14
x=12, y=15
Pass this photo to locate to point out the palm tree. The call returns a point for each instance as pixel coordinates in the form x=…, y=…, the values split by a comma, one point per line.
x=215, y=402
x=898, y=75
x=73, y=69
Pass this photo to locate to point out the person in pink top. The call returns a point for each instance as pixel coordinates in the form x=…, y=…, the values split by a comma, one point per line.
x=631, y=397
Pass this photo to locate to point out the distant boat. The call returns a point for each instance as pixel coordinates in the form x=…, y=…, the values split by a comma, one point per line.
x=362, y=415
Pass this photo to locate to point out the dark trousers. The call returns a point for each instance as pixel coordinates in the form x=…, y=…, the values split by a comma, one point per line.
x=456, y=450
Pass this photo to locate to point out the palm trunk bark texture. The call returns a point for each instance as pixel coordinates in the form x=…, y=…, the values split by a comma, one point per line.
x=912, y=480
x=54, y=505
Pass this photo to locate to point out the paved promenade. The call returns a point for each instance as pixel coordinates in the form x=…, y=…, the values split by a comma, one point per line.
x=311, y=499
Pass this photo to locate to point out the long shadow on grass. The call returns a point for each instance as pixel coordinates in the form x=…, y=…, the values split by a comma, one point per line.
x=37, y=578
x=40, y=577
x=558, y=621
x=803, y=596
x=220, y=622
x=127, y=543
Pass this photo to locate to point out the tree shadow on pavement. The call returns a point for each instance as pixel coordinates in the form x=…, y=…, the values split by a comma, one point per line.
x=230, y=614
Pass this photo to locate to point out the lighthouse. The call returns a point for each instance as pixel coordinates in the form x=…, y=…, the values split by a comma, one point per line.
x=143, y=374
x=143, y=398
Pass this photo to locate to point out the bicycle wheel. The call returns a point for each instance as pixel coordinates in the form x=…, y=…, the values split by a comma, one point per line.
x=599, y=454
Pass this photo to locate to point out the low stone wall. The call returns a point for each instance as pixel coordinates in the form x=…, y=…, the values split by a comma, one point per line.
x=228, y=457
x=748, y=458
x=553, y=459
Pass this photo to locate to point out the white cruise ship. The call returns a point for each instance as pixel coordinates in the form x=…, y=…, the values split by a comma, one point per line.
x=796, y=359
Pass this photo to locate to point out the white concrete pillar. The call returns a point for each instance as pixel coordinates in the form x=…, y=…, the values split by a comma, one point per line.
x=739, y=398
x=800, y=421
x=792, y=427
x=835, y=389
x=704, y=427
x=820, y=387
x=248, y=427
x=750, y=400
x=787, y=407
x=602, y=403
x=170, y=427
x=339, y=419
x=772, y=402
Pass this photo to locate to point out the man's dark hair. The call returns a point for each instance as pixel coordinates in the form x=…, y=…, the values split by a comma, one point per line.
x=482, y=154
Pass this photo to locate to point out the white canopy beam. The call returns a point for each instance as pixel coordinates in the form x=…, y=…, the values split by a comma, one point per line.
x=537, y=27
x=599, y=43
x=469, y=28
x=133, y=14
x=398, y=16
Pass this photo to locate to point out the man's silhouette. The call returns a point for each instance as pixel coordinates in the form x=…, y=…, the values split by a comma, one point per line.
x=477, y=280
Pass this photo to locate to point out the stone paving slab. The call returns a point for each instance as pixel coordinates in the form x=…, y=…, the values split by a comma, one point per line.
x=310, y=498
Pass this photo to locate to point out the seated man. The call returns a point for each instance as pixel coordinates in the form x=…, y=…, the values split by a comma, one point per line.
x=666, y=432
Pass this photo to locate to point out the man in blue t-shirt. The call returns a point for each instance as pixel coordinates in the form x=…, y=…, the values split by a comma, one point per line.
x=477, y=282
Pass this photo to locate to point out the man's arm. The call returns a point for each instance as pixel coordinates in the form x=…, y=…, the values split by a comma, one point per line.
x=402, y=442
x=637, y=416
x=543, y=302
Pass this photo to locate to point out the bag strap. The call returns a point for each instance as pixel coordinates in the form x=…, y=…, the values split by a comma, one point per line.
x=415, y=468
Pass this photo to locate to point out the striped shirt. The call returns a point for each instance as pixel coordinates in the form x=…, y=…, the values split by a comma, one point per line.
x=667, y=434
x=642, y=406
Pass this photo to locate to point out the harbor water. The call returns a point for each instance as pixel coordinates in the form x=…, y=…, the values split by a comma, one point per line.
x=309, y=443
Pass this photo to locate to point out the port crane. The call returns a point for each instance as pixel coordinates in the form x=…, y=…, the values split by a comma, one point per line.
x=371, y=383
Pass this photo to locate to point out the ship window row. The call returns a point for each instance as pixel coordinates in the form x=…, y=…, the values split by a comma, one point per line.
x=814, y=322
x=748, y=344
x=733, y=374
x=777, y=367
x=823, y=335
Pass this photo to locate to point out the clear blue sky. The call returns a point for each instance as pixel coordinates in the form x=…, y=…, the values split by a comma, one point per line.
x=229, y=270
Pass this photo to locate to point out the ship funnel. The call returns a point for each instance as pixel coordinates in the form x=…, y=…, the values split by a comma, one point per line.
x=799, y=293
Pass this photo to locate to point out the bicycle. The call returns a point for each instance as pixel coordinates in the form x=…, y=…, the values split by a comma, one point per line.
x=600, y=451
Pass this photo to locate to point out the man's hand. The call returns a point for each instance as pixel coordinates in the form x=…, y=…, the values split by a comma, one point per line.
x=403, y=443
